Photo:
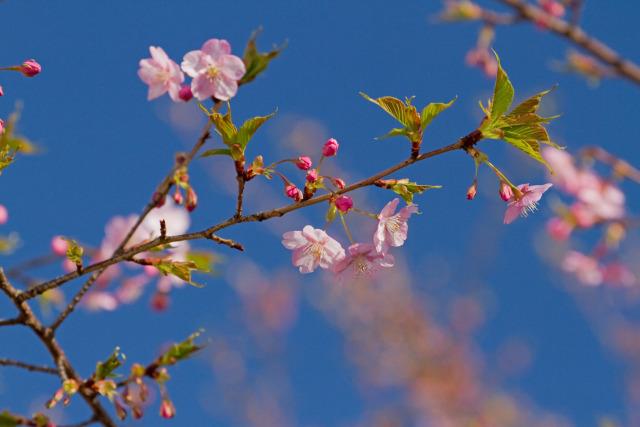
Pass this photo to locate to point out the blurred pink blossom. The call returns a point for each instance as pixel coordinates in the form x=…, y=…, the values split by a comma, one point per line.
x=362, y=262
x=161, y=74
x=392, y=229
x=559, y=228
x=185, y=93
x=585, y=268
x=312, y=248
x=100, y=300
x=59, y=246
x=4, y=215
x=617, y=273
x=214, y=70
x=481, y=58
x=525, y=201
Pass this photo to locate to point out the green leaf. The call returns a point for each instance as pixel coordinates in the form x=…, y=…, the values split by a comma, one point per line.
x=74, y=252
x=406, y=189
x=530, y=105
x=395, y=132
x=180, y=269
x=502, y=94
x=398, y=110
x=256, y=62
x=223, y=124
x=204, y=260
x=180, y=351
x=217, y=152
x=249, y=128
x=104, y=370
x=7, y=419
x=432, y=110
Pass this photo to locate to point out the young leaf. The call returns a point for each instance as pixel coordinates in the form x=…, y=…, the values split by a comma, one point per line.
x=104, y=370
x=180, y=269
x=502, y=94
x=217, y=152
x=224, y=126
x=395, y=132
x=74, y=252
x=432, y=110
x=530, y=105
x=398, y=110
x=249, y=128
x=256, y=62
x=406, y=189
x=180, y=351
x=7, y=419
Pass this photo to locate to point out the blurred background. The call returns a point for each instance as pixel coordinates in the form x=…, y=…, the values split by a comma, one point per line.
x=476, y=325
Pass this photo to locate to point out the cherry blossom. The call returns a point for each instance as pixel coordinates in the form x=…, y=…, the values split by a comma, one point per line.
x=30, y=68
x=392, y=229
x=524, y=201
x=363, y=262
x=344, y=203
x=303, y=162
x=312, y=248
x=161, y=74
x=330, y=148
x=586, y=268
x=214, y=70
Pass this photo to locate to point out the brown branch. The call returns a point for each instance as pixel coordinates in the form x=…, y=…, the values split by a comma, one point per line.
x=15, y=321
x=28, y=366
x=241, y=181
x=604, y=53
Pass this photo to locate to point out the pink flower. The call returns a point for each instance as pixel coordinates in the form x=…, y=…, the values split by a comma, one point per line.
x=330, y=148
x=214, y=70
x=100, y=300
x=480, y=57
x=392, y=229
x=559, y=228
x=59, y=246
x=616, y=273
x=30, y=68
x=524, y=201
x=293, y=192
x=4, y=215
x=161, y=74
x=344, y=203
x=312, y=248
x=303, y=163
x=1, y=126
x=585, y=268
x=362, y=262
x=185, y=93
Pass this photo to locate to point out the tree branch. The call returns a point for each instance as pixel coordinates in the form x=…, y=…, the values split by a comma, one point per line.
x=28, y=366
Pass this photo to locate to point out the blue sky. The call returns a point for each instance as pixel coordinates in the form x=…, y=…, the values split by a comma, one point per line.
x=105, y=148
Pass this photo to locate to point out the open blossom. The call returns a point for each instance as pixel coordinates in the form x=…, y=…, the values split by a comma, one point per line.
x=161, y=74
x=363, y=262
x=392, y=229
x=312, y=248
x=525, y=201
x=214, y=70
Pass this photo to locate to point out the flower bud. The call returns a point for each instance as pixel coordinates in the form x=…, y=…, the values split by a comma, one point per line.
x=330, y=148
x=177, y=196
x=121, y=412
x=303, y=163
x=191, y=200
x=30, y=68
x=185, y=93
x=136, y=411
x=312, y=175
x=4, y=217
x=1, y=126
x=1, y=91
x=338, y=183
x=505, y=192
x=166, y=409
x=344, y=203
x=159, y=302
x=293, y=192
x=471, y=192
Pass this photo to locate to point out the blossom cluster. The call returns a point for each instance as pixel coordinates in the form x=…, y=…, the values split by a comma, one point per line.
x=314, y=248
x=597, y=202
x=214, y=72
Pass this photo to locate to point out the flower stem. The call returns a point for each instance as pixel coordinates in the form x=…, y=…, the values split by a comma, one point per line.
x=345, y=228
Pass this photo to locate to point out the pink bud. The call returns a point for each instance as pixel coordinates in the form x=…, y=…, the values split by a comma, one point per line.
x=344, y=203
x=330, y=148
x=166, y=409
x=121, y=412
x=30, y=68
x=1, y=91
x=191, y=200
x=303, y=163
x=4, y=216
x=159, y=302
x=59, y=246
x=312, y=175
x=338, y=183
x=177, y=196
x=471, y=192
x=505, y=192
x=136, y=411
x=185, y=93
x=293, y=192
x=1, y=126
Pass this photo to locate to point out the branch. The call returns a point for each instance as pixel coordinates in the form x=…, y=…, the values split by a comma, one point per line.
x=28, y=366
x=15, y=321
x=604, y=53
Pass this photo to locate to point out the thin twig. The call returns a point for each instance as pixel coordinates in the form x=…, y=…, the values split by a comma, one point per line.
x=240, y=196
x=15, y=321
x=83, y=424
x=604, y=53
x=28, y=366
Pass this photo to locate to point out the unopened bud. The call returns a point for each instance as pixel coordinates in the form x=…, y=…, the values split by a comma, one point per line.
x=338, y=183
x=180, y=157
x=136, y=411
x=30, y=68
x=312, y=175
x=330, y=148
x=159, y=302
x=1, y=91
x=166, y=409
x=121, y=412
x=191, y=200
x=185, y=93
x=505, y=192
x=344, y=203
x=177, y=196
x=303, y=163
x=471, y=192
x=293, y=192
x=1, y=126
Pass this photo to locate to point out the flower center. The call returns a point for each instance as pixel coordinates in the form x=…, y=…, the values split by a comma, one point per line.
x=314, y=250
x=361, y=267
x=212, y=72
